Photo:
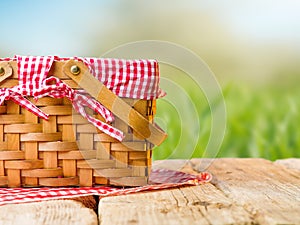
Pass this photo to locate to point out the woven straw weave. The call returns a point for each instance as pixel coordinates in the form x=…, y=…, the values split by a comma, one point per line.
x=66, y=150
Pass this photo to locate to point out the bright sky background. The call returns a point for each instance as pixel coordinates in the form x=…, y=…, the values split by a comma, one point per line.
x=247, y=40
x=261, y=19
x=63, y=27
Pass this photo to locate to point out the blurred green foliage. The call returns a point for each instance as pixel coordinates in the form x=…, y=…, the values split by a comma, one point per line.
x=261, y=122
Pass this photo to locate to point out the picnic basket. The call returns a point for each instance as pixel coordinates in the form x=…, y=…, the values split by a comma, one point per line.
x=77, y=121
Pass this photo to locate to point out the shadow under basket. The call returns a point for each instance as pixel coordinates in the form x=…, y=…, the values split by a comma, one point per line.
x=66, y=150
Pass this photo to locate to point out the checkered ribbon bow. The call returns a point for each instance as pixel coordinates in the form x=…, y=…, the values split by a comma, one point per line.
x=33, y=81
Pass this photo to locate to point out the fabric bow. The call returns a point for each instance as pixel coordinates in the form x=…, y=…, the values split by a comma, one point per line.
x=33, y=81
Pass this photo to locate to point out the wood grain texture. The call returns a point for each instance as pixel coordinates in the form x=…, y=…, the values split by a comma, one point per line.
x=24, y=164
x=11, y=119
x=58, y=146
x=96, y=164
x=65, y=212
x=12, y=155
x=129, y=181
x=69, y=167
x=243, y=191
x=86, y=177
x=41, y=137
x=42, y=173
x=23, y=128
x=59, y=182
x=3, y=180
x=86, y=154
x=292, y=163
x=57, y=110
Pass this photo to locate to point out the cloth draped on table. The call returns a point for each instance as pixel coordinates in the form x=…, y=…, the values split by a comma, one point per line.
x=159, y=179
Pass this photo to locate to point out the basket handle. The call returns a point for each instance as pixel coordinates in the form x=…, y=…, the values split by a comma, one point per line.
x=79, y=72
x=5, y=70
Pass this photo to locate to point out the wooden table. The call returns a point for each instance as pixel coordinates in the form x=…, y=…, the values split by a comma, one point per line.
x=243, y=191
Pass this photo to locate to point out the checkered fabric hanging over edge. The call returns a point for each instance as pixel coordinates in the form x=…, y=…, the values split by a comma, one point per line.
x=126, y=78
x=137, y=79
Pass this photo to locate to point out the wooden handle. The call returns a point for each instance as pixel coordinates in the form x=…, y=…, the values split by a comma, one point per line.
x=151, y=132
x=5, y=70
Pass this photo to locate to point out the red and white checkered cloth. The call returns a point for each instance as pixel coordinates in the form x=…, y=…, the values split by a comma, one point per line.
x=161, y=179
x=126, y=78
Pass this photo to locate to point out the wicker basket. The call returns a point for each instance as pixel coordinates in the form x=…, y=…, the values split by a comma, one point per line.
x=67, y=150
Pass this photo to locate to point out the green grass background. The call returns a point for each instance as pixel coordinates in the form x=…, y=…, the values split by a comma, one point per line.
x=261, y=121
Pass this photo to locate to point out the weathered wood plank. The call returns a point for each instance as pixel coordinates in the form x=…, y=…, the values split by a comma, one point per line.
x=189, y=205
x=243, y=191
x=291, y=163
x=67, y=212
x=269, y=192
